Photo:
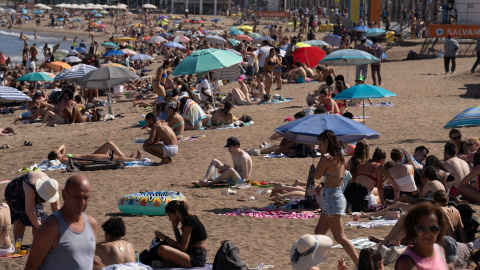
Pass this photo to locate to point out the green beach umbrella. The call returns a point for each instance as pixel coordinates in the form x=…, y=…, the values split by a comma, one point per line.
x=110, y=45
x=60, y=54
x=35, y=77
x=206, y=60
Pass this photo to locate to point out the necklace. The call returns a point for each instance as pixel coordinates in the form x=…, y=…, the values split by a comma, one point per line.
x=119, y=247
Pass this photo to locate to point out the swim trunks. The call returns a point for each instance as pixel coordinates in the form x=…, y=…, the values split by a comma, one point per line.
x=7, y=251
x=239, y=180
x=170, y=150
x=300, y=80
x=25, y=115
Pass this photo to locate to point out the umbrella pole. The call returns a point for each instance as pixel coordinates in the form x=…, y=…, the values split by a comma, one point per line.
x=110, y=105
x=363, y=100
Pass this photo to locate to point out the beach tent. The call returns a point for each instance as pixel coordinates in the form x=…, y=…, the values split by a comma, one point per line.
x=229, y=73
x=9, y=94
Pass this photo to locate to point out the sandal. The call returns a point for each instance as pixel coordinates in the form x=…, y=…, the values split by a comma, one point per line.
x=5, y=146
x=28, y=143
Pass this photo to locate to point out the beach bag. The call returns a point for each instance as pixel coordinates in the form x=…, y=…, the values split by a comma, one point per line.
x=412, y=55
x=228, y=258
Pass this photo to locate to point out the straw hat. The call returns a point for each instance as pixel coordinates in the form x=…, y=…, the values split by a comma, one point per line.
x=309, y=250
x=47, y=188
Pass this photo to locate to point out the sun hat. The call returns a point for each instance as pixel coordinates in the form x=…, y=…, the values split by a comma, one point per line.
x=47, y=188
x=451, y=248
x=240, y=78
x=309, y=250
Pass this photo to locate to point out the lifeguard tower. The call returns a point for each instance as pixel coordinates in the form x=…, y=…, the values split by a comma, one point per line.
x=466, y=26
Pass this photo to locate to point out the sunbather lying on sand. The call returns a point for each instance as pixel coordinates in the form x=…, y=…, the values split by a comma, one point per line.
x=101, y=154
x=295, y=191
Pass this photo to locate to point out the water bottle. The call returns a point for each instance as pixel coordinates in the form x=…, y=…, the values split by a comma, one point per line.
x=18, y=244
x=137, y=258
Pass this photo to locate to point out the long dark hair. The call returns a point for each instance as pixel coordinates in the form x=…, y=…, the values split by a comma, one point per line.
x=368, y=259
x=360, y=155
x=178, y=206
x=334, y=145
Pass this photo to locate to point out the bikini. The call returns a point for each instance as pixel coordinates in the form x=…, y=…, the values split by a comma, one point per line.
x=179, y=124
x=374, y=179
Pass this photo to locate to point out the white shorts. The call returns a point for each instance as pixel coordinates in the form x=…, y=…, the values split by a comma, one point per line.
x=170, y=150
x=7, y=251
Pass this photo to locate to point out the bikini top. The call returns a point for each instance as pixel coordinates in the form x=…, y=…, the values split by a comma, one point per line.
x=374, y=179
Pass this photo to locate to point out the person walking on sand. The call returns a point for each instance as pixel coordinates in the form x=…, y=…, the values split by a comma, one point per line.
x=66, y=240
x=239, y=173
x=160, y=131
x=451, y=48
x=477, y=49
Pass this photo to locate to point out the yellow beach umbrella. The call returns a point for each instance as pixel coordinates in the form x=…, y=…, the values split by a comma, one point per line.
x=244, y=28
x=291, y=23
x=123, y=39
x=113, y=65
x=301, y=45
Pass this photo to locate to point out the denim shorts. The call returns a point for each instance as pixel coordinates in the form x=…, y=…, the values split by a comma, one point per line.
x=250, y=71
x=333, y=201
x=237, y=181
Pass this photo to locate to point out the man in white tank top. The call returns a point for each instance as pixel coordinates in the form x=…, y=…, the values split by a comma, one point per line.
x=66, y=240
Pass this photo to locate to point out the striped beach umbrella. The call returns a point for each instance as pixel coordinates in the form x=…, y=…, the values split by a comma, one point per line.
x=76, y=72
x=8, y=94
x=468, y=118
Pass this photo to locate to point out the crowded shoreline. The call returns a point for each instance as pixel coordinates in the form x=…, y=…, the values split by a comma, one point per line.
x=426, y=100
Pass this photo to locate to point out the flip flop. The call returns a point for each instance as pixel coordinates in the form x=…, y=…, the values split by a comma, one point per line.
x=5, y=146
x=24, y=169
x=28, y=143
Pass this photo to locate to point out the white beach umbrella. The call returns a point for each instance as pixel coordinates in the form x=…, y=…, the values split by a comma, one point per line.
x=76, y=72
x=74, y=5
x=46, y=7
x=60, y=5
x=149, y=6
x=39, y=5
x=8, y=94
x=98, y=6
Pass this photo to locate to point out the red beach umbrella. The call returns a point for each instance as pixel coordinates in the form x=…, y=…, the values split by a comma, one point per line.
x=308, y=55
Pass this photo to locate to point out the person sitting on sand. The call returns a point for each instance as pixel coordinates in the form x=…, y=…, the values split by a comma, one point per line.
x=8, y=131
x=114, y=250
x=101, y=154
x=160, y=131
x=456, y=138
x=473, y=145
x=175, y=120
x=222, y=116
x=469, y=186
x=455, y=166
x=327, y=103
x=192, y=113
x=318, y=76
x=297, y=75
x=239, y=173
x=328, y=86
x=370, y=175
x=403, y=176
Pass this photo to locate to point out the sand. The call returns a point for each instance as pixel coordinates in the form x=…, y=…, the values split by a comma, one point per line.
x=426, y=100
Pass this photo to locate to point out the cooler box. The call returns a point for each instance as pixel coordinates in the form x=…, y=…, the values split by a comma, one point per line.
x=323, y=28
x=390, y=36
x=330, y=27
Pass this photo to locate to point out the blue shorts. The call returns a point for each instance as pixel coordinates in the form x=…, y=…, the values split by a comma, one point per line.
x=25, y=115
x=333, y=201
x=250, y=71
x=300, y=80
x=239, y=180
x=278, y=70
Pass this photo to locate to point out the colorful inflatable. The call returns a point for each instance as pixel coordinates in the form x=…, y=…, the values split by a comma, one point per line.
x=148, y=203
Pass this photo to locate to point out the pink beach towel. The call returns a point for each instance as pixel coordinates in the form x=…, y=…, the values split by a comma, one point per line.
x=271, y=214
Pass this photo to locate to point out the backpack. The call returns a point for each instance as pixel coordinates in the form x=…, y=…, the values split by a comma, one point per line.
x=412, y=55
x=228, y=258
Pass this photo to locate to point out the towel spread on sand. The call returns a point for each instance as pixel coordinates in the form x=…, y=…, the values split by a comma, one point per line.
x=272, y=155
x=193, y=112
x=184, y=139
x=363, y=242
x=207, y=266
x=380, y=104
x=48, y=165
x=128, y=266
x=234, y=125
x=245, y=211
x=5, y=181
x=275, y=101
x=371, y=224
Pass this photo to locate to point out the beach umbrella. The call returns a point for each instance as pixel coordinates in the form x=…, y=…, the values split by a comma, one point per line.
x=141, y=57
x=93, y=24
x=58, y=65
x=77, y=20
x=174, y=45
x=94, y=11
x=268, y=26
x=243, y=37
x=468, y=118
x=349, y=58
x=308, y=55
x=72, y=59
x=113, y=53
x=11, y=10
x=232, y=28
x=98, y=15
x=113, y=65
x=204, y=60
x=302, y=45
x=59, y=19
x=106, y=78
x=35, y=77
x=60, y=54
x=75, y=72
x=196, y=21
x=98, y=22
x=162, y=17
x=25, y=17
x=216, y=20
x=129, y=51
x=234, y=42
x=237, y=32
x=46, y=7
x=9, y=94
x=244, y=28
x=334, y=40
x=156, y=39
x=217, y=40
x=363, y=91
x=315, y=42
x=262, y=38
x=101, y=26
x=23, y=11
x=37, y=12
x=103, y=12
x=306, y=130
x=360, y=28
x=233, y=51
x=375, y=32
x=110, y=45
x=150, y=6
x=179, y=39
x=253, y=35
x=167, y=34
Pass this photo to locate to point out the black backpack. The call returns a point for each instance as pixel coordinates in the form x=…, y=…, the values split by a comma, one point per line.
x=228, y=258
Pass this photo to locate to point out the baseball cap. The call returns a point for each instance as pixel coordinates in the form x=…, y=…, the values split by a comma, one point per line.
x=360, y=78
x=363, y=38
x=232, y=141
x=449, y=35
x=240, y=78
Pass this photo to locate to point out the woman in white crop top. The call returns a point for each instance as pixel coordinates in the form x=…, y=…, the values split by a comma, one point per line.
x=401, y=177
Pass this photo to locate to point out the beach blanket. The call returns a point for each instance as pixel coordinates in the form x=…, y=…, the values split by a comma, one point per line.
x=184, y=139
x=263, y=184
x=380, y=104
x=275, y=101
x=272, y=155
x=14, y=256
x=359, y=243
x=193, y=112
x=48, y=165
x=128, y=266
x=362, y=117
x=261, y=213
x=5, y=181
x=371, y=224
x=207, y=266
x=231, y=126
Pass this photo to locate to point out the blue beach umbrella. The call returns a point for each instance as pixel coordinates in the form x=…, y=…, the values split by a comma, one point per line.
x=316, y=42
x=81, y=50
x=113, y=53
x=25, y=17
x=363, y=91
x=468, y=118
x=110, y=45
x=167, y=34
x=8, y=94
x=35, y=77
x=59, y=19
x=234, y=42
x=77, y=20
x=94, y=11
x=23, y=11
x=375, y=32
x=176, y=21
x=306, y=130
x=37, y=12
x=348, y=58
x=333, y=40
x=98, y=15
x=99, y=22
x=205, y=60
x=237, y=32
x=233, y=28
x=174, y=45
x=361, y=28
x=216, y=20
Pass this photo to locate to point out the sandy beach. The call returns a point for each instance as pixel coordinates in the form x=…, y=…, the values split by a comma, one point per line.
x=426, y=100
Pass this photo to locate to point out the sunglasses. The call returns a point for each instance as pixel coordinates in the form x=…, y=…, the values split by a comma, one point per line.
x=470, y=144
x=423, y=229
x=457, y=138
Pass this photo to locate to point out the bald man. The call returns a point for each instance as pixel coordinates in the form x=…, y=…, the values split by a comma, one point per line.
x=66, y=240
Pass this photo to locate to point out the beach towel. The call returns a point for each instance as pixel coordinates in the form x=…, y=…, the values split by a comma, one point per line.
x=184, y=139
x=263, y=184
x=47, y=165
x=261, y=213
x=374, y=223
x=380, y=104
x=272, y=155
x=5, y=181
x=193, y=112
x=231, y=126
x=128, y=266
x=207, y=266
x=275, y=101
x=362, y=117
x=14, y=256
x=363, y=242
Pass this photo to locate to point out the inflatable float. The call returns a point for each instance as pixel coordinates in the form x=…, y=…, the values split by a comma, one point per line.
x=148, y=203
